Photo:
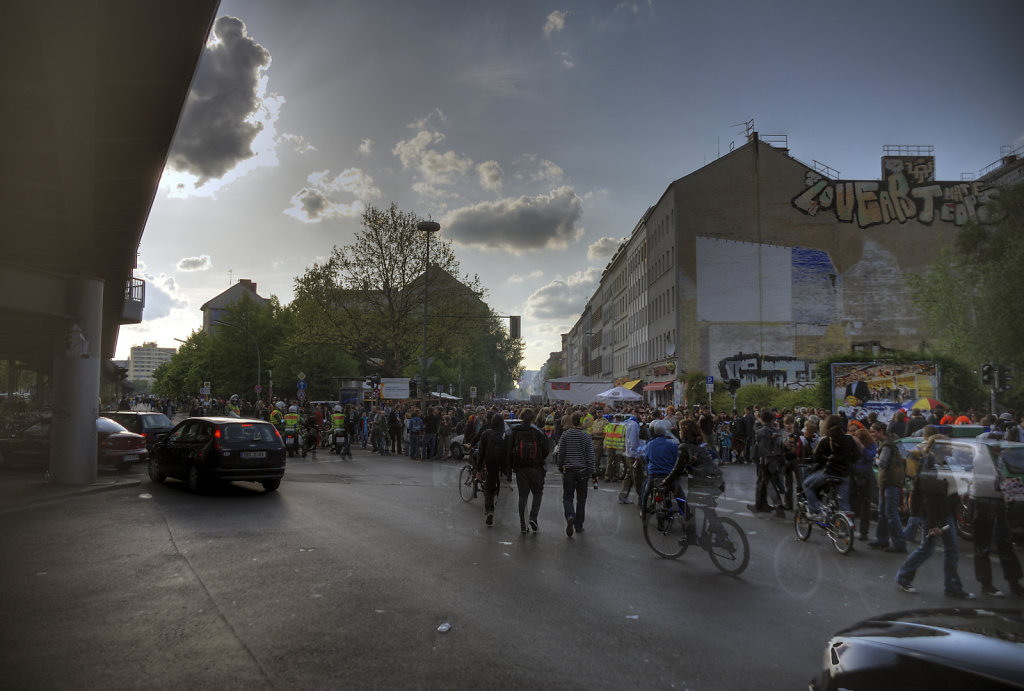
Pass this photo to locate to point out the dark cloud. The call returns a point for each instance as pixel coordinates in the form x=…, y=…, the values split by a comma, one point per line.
x=525, y=224
x=216, y=129
x=201, y=263
x=605, y=247
x=313, y=203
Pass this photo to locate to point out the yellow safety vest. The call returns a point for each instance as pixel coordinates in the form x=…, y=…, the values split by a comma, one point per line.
x=338, y=420
x=549, y=425
x=291, y=421
x=586, y=422
x=615, y=436
x=275, y=417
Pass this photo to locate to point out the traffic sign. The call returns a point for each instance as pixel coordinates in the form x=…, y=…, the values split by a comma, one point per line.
x=301, y=385
x=711, y=384
x=258, y=388
x=302, y=375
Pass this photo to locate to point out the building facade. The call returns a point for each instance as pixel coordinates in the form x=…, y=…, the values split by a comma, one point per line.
x=143, y=359
x=757, y=265
x=215, y=308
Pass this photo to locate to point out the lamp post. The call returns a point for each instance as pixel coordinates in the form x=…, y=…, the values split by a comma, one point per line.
x=428, y=227
x=259, y=363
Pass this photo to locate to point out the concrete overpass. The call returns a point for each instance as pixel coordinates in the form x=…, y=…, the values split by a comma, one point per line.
x=92, y=93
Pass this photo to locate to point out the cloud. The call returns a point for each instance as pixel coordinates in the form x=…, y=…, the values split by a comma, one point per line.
x=220, y=119
x=516, y=279
x=555, y=22
x=568, y=60
x=200, y=263
x=490, y=175
x=563, y=299
x=605, y=247
x=518, y=225
x=540, y=169
x=298, y=142
x=162, y=295
x=317, y=200
x=433, y=166
x=365, y=147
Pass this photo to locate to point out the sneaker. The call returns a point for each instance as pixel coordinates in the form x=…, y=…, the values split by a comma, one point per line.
x=816, y=516
x=989, y=589
x=960, y=594
x=906, y=587
x=625, y=500
x=874, y=544
x=569, y=527
x=523, y=528
x=579, y=529
x=533, y=525
x=489, y=519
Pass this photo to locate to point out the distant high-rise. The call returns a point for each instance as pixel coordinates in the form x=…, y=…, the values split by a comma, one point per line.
x=146, y=358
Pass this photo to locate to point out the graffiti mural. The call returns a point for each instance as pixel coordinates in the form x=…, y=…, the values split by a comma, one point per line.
x=905, y=194
x=781, y=371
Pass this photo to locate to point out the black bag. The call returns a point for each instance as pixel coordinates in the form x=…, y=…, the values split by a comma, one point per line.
x=525, y=449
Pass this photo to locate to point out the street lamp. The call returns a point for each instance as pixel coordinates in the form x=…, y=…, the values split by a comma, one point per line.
x=428, y=227
x=259, y=363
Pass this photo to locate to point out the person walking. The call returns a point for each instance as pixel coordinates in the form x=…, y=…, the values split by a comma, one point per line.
x=491, y=463
x=633, y=471
x=578, y=465
x=527, y=449
x=892, y=472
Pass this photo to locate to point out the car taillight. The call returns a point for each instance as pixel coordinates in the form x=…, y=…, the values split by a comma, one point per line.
x=216, y=440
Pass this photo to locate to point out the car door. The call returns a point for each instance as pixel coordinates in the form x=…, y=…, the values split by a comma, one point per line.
x=33, y=444
x=174, y=449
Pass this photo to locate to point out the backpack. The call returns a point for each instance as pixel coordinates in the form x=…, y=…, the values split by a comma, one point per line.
x=496, y=451
x=524, y=447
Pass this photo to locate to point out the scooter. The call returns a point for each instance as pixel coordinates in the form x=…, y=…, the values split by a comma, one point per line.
x=338, y=440
x=291, y=441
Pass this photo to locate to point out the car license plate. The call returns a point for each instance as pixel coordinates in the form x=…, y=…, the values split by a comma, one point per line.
x=130, y=457
x=254, y=454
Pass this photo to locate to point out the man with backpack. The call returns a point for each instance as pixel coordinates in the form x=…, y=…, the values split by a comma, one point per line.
x=528, y=447
x=492, y=463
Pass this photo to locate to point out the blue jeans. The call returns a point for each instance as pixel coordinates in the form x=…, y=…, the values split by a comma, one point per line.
x=889, y=525
x=575, y=484
x=414, y=445
x=951, y=556
x=429, y=446
x=817, y=480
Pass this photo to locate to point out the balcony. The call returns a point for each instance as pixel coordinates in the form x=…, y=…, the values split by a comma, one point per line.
x=134, y=301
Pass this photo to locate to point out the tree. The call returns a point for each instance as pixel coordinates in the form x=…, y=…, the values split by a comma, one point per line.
x=367, y=298
x=967, y=298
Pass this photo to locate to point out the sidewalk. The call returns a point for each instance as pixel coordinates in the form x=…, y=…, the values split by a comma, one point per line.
x=26, y=486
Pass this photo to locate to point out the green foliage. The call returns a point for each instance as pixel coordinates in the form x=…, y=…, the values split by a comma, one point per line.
x=967, y=298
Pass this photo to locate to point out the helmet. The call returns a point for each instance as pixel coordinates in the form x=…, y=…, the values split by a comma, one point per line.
x=234, y=397
x=279, y=405
x=660, y=428
x=337, y=408
x=293, y=409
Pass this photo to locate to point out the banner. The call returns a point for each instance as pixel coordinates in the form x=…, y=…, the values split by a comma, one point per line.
x=859, y=388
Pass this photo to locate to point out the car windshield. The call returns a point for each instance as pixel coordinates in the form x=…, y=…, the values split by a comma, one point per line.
x=158, y=420
x=248, y=432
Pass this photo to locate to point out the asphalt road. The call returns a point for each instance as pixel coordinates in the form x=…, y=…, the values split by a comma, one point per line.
x=342, y=578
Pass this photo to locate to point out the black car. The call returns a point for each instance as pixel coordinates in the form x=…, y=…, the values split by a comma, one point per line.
x=969, y=648
x=202, y=450
x=149, y=425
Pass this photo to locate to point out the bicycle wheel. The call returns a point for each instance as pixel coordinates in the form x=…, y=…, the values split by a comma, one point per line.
x=842, y=533
x=665, y=533
x=801, y=523
x=467, y=482
x=728, y=546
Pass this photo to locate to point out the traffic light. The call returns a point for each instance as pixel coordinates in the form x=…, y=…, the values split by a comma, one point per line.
x=515, y=326
x=986, y=374
x=1005, y=377
x=413, y=389
x=732, y=385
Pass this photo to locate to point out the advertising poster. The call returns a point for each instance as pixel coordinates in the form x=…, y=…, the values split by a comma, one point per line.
x=859, y=388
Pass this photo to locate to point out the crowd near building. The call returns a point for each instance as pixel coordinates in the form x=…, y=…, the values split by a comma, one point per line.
x=757, y=265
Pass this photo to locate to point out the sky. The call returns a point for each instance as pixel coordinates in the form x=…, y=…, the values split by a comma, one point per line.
x=538, y=133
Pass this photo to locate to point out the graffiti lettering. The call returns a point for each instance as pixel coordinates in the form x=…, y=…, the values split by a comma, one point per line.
x=870, y=203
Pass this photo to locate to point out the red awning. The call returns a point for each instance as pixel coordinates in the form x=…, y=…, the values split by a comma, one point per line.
x=659, y=385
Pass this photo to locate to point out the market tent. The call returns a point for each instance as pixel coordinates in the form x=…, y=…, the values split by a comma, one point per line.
x=575, y=390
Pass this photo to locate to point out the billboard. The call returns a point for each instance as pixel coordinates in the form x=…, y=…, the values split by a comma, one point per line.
x=394, y=389
x=859, y=388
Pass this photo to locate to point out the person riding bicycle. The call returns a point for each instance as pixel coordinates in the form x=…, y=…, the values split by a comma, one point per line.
x=694, y=460
x=835, y=457
x=491, y=463
x=661, y=454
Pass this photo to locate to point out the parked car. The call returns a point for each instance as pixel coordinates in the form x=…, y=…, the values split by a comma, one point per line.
x=457, y=444
x=201, y=450
x=969, y=465
x=927, y=649
x=115, y=445
x=149, y=425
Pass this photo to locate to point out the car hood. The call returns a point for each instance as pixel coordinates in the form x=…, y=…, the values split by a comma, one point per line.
x=988, y=642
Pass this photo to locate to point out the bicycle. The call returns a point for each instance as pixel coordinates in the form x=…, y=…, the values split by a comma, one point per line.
x=670, y=528
x=837, y=524
x=469, y=485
